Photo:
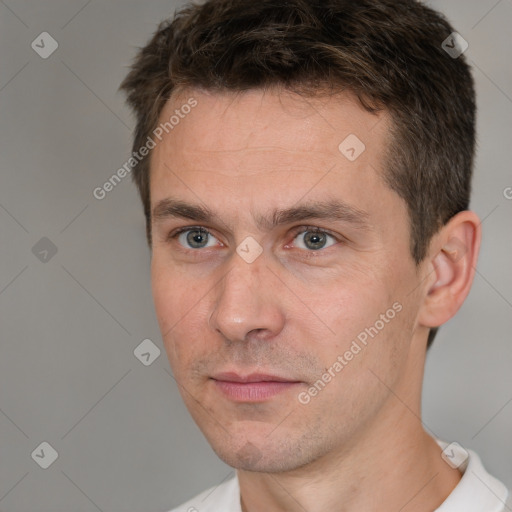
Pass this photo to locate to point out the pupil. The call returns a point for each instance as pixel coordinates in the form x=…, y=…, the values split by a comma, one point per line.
x=316, y=239
x=195, y=238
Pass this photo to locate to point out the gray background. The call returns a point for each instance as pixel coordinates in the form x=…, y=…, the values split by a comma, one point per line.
x=69, y=326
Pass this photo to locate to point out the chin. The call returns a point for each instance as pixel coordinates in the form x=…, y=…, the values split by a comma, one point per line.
x=265, y=454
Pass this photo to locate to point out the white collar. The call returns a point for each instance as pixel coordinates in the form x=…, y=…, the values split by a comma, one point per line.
x=477, y=490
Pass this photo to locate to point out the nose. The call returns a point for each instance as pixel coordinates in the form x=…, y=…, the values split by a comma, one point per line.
x=247, y=304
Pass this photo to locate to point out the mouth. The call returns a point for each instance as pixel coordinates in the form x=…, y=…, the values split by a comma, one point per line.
x=253, y=388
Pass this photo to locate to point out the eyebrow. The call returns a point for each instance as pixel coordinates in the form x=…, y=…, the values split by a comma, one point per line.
x=334, y=209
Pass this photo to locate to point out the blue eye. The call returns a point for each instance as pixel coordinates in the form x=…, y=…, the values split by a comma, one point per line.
x=195, y=238
x=308, y=238
x=314, y=239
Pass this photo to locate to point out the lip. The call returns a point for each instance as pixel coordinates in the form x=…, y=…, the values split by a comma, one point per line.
x=252, y=377
x=255, y=387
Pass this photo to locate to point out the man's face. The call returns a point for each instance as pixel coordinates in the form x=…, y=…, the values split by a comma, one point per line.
x=272, y=292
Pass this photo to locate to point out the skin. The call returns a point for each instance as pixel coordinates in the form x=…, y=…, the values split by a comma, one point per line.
x=359, y=444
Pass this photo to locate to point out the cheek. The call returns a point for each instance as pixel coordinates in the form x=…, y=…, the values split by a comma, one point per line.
x=351, y=304
x=165, y=287
x=367, y=352
x=367, y=319
x=180, y=311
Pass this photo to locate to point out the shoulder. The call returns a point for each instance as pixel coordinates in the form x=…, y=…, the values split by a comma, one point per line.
x=225, y=497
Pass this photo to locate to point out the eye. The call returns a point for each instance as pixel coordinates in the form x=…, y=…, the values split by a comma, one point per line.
x=314, y=239
x=194, y=238
x=308, y=238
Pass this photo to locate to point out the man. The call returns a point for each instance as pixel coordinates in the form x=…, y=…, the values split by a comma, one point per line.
x=305, y=174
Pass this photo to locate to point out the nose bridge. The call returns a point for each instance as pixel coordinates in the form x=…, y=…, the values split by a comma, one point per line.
x=245, y=302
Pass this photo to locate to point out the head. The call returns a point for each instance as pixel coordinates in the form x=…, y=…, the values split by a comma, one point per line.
x=326, y=148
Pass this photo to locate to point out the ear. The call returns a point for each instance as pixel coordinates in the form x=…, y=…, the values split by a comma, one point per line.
x=451, y=268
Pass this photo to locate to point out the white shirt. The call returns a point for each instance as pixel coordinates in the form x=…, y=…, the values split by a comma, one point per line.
x=477, y=491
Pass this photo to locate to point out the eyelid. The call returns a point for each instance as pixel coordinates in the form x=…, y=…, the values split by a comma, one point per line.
x=174, y=234
x=317, y=229
x=178, y=231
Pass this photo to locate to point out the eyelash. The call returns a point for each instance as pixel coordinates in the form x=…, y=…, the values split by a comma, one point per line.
x=296, y=231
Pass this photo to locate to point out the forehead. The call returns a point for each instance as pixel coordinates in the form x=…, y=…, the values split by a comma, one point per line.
x=277, y=119
x=261, y=147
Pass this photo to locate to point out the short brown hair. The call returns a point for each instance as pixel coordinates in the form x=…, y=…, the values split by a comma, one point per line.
x=387, y=52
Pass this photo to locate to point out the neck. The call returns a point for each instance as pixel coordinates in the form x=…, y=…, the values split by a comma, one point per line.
x=392, y=465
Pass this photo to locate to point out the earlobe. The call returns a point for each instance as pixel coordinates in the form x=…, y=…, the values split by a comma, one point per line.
x=453, y=257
